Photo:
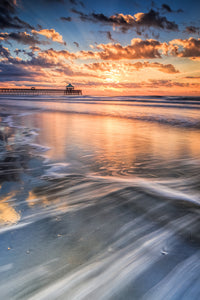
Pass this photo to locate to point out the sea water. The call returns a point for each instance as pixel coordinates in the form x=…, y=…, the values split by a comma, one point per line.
x=99, y=197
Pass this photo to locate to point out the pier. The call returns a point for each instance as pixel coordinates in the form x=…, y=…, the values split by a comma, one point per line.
x=34, y=91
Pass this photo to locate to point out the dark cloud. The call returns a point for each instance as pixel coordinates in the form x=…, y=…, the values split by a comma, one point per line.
x=22, y=38
x=153, y=19
x=18, y=51
x=7, y=19
x=126, y=22
x=192, y=77
x=167, y=8
x=76, y=44
x=76, y=3
x=82, y=4
x=67, y=19
x=55, y=1
x=108, y=34
x=4, y=52
x=192, y=30
x=7, y=6
x=22, y=24
x=10, y=72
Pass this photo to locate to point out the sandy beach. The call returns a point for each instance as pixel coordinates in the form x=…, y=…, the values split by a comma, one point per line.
x=99, y=202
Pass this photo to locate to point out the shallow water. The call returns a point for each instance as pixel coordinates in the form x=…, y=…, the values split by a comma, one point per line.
x=99, y=198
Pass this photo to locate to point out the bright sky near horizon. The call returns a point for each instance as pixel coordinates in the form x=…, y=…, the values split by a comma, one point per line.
x=116, y=47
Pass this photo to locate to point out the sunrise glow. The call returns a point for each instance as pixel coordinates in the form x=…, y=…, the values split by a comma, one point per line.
x=123, y=48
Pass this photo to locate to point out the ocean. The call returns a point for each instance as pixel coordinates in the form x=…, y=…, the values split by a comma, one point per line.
x=99, y=198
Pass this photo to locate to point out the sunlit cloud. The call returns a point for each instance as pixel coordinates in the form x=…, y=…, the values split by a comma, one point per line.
x=107, y=66
x=126, y=22
x=165, y=68
x=186, y=48
x=50, y=34
x=138, y=49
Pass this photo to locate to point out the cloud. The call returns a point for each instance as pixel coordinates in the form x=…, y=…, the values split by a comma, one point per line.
x=165, y=68
x=56, y=1
x=167, y=83
x=192, y=77
x=4, y=52
x=188, y=47
x=7, y=20
x=34, y=48
x=45, y=59
x=12, y=72
x=50, y=34
x=76, y=44
x=100, y=66
x=68, y=2
x=138, y=49
x=8, y=6
x=129, y=67
x=29, y=53
x=75, y=2
x=192, y=30
x=108, y=34
x=51, y=58
x=126, y=22
x=167, y=8
x=67, y=19
x=21, y=37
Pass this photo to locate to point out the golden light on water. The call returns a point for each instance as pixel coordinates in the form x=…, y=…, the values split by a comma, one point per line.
x=8, y=214
x=114, y=137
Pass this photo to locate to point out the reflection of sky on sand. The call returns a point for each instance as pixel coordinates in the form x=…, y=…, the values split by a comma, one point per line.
x=8, y=214
x=78, y=233
x=43, y=199
x=113, y=140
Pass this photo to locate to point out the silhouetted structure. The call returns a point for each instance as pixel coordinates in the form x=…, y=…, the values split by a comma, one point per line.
x=34, y=91
x=71, y=91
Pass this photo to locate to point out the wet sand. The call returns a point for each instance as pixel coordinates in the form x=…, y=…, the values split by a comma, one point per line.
x=99, y=206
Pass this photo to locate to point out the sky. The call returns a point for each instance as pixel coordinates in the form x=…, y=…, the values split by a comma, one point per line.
x=115, y=47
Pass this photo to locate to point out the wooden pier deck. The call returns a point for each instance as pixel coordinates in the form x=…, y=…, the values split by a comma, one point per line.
x=31, y=91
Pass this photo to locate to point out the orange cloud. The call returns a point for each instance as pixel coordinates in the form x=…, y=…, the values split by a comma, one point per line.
x=50, y=34
x=165, y=68
x=138, y=49
x=108, y=66
x=186, y=48
x=51, y=57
